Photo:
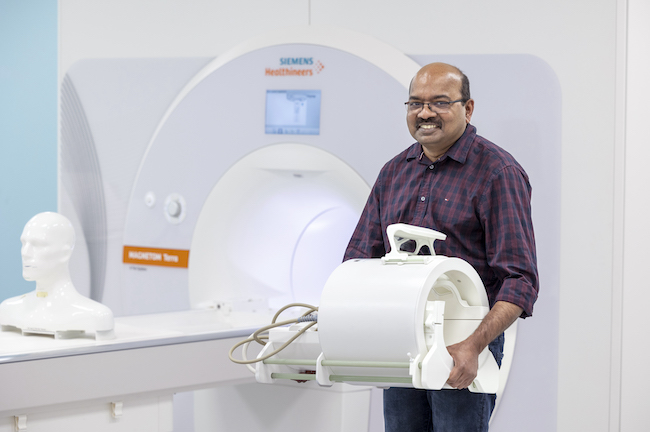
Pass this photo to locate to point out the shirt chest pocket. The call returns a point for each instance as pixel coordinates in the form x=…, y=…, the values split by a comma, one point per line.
x=453, y=214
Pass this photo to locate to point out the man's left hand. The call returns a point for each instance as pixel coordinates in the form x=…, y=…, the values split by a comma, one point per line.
x=465, y=353
x=465, y=368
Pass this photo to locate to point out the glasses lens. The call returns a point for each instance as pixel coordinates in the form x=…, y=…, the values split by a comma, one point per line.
x=414, y=106
x=439, y=107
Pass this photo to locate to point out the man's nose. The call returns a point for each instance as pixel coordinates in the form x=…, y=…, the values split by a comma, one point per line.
x=426, y=112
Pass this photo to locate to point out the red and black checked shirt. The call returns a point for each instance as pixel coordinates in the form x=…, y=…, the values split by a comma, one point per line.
x=478, y=195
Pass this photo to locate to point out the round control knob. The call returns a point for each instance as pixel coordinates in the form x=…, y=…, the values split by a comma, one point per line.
x=175, y=208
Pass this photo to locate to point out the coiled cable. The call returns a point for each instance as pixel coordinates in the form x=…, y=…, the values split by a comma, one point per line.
x=258, y=336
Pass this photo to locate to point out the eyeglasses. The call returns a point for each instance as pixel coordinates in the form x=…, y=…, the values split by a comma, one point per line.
x=436, y=107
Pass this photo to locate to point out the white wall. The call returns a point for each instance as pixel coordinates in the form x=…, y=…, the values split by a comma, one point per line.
x=635, y=295
x=578, y=39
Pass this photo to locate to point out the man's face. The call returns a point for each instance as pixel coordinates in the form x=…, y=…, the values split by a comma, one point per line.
x=436, y=132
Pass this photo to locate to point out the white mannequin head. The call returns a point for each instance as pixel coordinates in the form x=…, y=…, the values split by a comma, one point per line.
x=48, y=240
x=55, y=307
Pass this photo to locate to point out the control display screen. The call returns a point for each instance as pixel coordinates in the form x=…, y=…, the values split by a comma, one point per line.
x=294, y=112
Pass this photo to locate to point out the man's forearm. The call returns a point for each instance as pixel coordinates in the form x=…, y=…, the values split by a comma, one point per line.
x=498, y=319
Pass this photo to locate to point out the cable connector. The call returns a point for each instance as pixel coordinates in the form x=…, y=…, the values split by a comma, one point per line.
x=308, y=318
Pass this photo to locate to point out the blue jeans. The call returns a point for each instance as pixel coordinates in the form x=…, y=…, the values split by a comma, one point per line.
x=417, y=410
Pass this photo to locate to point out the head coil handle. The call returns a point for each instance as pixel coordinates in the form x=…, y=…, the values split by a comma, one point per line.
x=400, y=233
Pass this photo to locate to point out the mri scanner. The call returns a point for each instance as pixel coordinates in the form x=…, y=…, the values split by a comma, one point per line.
x=207, y=193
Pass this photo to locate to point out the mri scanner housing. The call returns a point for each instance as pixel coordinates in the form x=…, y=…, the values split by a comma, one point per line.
x=263, y=215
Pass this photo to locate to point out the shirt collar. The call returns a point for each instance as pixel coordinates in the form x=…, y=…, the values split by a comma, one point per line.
x=457, y=152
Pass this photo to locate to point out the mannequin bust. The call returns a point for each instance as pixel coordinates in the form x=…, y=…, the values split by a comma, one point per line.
x=55, y=307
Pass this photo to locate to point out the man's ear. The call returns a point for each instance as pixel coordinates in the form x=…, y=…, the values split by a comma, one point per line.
x=469, y=110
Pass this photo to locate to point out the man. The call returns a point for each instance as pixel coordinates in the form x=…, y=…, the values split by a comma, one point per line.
x=456, y=182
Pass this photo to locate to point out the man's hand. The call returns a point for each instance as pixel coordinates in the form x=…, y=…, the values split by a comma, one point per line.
x=465, y=356
x=465, y=353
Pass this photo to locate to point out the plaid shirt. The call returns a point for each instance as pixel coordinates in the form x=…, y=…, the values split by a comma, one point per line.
x=478, y=195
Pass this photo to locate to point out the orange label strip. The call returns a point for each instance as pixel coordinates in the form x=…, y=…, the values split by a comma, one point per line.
x=156, y=256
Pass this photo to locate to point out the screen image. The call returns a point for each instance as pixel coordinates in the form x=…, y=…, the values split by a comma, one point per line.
x=294, y=112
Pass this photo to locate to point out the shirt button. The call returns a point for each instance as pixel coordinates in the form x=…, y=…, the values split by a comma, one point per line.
x=432, y=166
x=423, y=198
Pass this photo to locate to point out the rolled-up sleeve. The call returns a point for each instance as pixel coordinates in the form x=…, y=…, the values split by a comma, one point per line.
x=505, y=210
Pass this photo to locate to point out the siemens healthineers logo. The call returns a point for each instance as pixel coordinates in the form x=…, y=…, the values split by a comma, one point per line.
x=296, y=61
x=286, y=69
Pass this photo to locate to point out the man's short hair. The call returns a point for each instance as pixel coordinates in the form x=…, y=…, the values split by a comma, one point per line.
x=464, y=87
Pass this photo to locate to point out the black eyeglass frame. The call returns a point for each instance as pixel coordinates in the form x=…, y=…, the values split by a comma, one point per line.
x=444, y=105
